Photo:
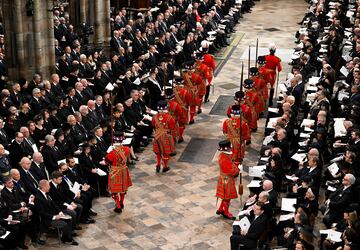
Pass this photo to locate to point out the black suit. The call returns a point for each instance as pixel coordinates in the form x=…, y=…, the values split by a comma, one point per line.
x=29, y=181
x=249, y=240
x=36, y=105
x=17, y=151
x=39, y=171
x=155, y=92
x=12, y=198
x=58, y=194
x=4, y=139
x=47, y=209
x=339, y=201
x=51, y=157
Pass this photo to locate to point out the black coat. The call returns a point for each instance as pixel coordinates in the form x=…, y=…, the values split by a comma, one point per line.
x=39, y=172
x=47, y=208
x=51, y=157
x=59, y=196
x=13, y=199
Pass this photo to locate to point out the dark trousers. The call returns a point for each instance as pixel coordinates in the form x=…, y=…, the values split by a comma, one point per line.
x=65, y=227
x=206, y=98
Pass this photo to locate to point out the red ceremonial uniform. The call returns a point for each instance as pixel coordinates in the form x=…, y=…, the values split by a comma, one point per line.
x=262, y=75
x=259, y=87
x=119, y=177
x=183, y=97
x=252, y=100
x=190, y=88
x=175, y=111
x=199, y=82
x=226, y=188
x=232, y=130
x=209, y=61
x=206, y=72
x=165, y=134
x=272, y=63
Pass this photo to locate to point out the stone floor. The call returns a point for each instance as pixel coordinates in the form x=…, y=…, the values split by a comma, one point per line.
x=176, y=210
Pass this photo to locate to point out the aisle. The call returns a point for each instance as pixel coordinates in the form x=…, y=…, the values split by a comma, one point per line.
x=177, y=209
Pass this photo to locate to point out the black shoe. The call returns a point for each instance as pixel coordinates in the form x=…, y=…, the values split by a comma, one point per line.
x=199, y=111
x=122, y=206
x=254, y=130
x=206, y=101
x=135, y=158
x=180, y=140
x=23, y=246
x=92, y=212
x=228, y=217
x=157, y=169
x=39, y=242
x=70, y=242
x=191, y=122
x=117, y=210
x=219, y=212
x=91, y=220
x=85, y=221
x=74, y=234
x=166, y=169
x=78, y=228
x=248, y=142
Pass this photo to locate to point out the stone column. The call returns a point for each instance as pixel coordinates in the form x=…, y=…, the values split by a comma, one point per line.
x=83, y=11
x=29, y=39
x=38, y=41
x=50, y=38
x=99, y=23
x=107, y=22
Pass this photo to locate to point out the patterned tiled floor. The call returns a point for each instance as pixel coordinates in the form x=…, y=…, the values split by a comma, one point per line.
x=176, y=210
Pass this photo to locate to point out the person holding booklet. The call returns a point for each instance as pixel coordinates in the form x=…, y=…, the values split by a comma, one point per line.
x=249, y=238
x=119, y=179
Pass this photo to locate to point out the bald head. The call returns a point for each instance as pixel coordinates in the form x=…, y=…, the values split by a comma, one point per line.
x=267, y=185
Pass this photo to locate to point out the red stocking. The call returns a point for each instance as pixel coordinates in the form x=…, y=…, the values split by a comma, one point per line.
x=200, y=102
x=122, y=196
x=117, y=200
x=221, y=207
x=158, y=160
x=165, y=160
x=226, y=209
x=181, y=131
x=192, y=112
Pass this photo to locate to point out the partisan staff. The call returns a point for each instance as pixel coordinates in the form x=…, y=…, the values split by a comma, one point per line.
x=248, y=63
x=241, y=188
x=257, y=50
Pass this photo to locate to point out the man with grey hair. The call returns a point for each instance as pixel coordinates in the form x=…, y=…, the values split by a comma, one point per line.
x=36, y=102
x=339, y=200
x=38, y=168
x=50, y=214
x=27, y=178
x=51, y=154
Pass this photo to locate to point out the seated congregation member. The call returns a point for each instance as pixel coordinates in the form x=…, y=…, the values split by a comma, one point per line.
x=84, y=196
x=89, y=169
x=28, y=180
x=338, y=201
x=259, y=222
x=51, y=215
x=51, y=153
x=26, y=217
x=38, y=168
x=350, y=220
x=64, y=203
